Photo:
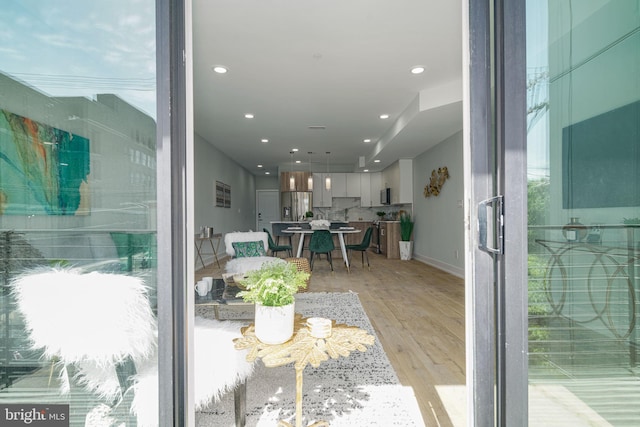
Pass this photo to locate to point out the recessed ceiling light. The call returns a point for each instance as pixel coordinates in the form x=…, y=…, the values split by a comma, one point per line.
x=267, y=173
x=367, y=140
x=259, y=166
x=295, y=150
x=376, y=161
x=264, y=140
x=220, y=69
x=249, y=116
x=298, y=161
x=366, y=170
x=384, y=116
x=418, y=69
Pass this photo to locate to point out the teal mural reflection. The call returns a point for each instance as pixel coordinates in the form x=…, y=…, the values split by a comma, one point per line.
x=43, y=170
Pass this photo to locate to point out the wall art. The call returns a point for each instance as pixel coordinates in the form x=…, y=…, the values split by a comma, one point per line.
x=43, y=170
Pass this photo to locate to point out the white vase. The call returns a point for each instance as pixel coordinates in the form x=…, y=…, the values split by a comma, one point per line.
x=406, y=249
x=274, y=325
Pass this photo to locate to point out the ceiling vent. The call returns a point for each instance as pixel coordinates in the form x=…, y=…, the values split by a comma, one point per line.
x=317, y=127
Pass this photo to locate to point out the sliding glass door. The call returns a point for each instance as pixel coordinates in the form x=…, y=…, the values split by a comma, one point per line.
x=583, y=187
x=78, y=174
x=554, y=155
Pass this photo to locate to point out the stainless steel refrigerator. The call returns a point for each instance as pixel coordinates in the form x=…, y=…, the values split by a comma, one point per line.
x=294, y=204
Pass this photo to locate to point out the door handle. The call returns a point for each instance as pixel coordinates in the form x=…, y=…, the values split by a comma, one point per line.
x=498, y=224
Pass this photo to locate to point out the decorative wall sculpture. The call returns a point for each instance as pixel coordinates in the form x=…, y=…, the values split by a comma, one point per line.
x=436, y=182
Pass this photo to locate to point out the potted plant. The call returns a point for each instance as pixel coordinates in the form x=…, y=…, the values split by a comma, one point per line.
x=406, y=229
x=308, y=215
x=380, y=214
x=272, y=289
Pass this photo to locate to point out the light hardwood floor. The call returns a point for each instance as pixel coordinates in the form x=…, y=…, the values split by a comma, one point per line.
x=418, y=314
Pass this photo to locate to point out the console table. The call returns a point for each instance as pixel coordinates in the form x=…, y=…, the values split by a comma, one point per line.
x=303, y=349
x=199, y=240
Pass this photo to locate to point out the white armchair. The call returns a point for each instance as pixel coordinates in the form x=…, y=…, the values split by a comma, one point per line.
x=249, y=243
x=103, y=325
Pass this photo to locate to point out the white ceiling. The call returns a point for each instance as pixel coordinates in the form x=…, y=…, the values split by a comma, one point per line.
x=333, y=63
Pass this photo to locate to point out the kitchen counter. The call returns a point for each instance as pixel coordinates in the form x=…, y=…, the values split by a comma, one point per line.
x=307, y=222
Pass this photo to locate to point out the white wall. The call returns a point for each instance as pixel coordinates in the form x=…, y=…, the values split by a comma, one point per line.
x=267, y=183
x=439, y=221
x=212, y=165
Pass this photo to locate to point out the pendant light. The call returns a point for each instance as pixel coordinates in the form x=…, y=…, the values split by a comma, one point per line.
x=327, y=180
x=310, y=179
x=292, y=179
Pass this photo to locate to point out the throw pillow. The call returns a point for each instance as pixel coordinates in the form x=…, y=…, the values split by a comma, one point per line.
x=249, y=249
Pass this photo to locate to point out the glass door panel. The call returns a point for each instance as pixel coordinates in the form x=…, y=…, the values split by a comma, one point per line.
x=583, y=170
x=77, y=177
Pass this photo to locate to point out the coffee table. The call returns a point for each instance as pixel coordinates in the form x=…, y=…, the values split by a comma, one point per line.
x=226, y=306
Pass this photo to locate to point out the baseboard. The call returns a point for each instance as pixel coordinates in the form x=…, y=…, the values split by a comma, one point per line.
x=210, y=261
x=451, y=269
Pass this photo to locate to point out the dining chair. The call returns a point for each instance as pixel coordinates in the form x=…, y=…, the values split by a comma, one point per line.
x=362, y=247
x=321, y=243
x=274, y=248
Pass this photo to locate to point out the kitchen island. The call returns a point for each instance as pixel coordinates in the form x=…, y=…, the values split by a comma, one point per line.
x=389, y=238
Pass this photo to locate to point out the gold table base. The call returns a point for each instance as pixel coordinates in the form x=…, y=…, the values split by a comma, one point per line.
x=303, y=349
x=316, y=424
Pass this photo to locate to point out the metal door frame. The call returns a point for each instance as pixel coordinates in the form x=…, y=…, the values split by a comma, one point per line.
x=495, y=161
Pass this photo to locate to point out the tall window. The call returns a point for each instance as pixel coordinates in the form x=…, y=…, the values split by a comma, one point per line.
x=77, y=181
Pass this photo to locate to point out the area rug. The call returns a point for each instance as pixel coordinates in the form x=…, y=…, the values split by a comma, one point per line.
x=359, y=390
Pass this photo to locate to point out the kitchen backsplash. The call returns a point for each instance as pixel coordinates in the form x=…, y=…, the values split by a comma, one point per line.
x=348, y=209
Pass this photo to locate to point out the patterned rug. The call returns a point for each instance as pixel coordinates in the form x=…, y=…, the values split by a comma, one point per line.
x=360, y=390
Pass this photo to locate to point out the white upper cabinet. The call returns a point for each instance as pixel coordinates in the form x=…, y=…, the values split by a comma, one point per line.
x=366, y=186
x=353, y=185
x=339, y=184
x=399, y=177
x=375, y=179
x=321, y=196
x=365, y=190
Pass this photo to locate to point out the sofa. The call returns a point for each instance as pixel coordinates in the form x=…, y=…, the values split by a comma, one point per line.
x=248, y=251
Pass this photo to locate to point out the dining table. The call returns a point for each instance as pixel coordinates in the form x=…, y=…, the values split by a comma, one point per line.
x=340, y=231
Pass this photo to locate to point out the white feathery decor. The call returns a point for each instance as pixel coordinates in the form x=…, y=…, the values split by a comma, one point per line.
x=97, y=320
x=100, y=317
x=243, y=265
x=219, y=367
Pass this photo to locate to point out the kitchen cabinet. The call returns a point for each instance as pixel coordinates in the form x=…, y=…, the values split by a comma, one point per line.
x=375, y=181
x=356, y=238
x=389, y=238
x=353, y=184
x=365, y=190
x=300, y=180
x=345, y=184
x=399, y=177
x=339, y=185
x=321, y=196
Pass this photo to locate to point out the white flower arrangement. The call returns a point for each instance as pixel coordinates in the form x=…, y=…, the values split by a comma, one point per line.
x=320, y=223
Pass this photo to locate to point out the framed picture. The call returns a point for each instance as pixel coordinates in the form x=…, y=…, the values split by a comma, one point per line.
x=219, y=194
x=227, y=196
